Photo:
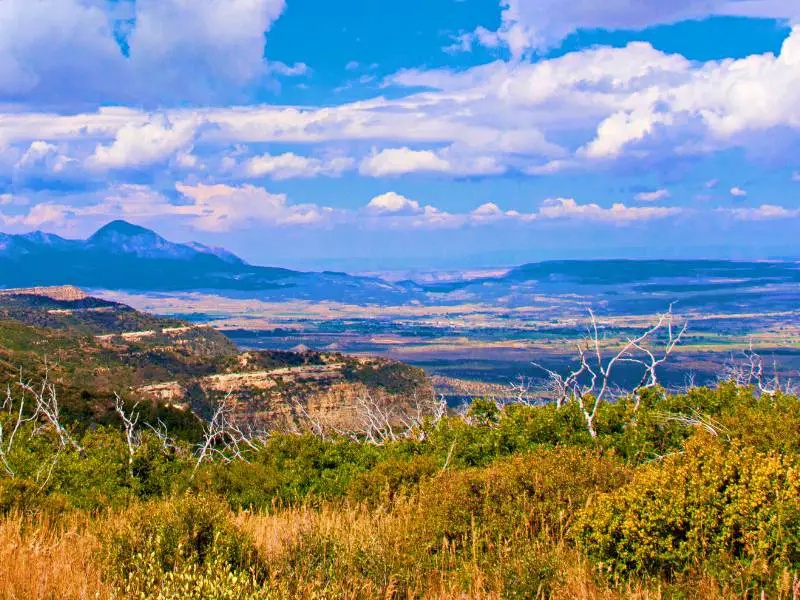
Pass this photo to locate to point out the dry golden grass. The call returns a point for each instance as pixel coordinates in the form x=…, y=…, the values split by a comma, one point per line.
x=45, y=558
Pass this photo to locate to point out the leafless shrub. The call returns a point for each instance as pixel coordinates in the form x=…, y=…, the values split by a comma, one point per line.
x=161, y=433
x=748, y=371
x=592, y=381
x=223, y=438
x=695, y=419
x=47, y=408
x=133, y=436
x=378, y=420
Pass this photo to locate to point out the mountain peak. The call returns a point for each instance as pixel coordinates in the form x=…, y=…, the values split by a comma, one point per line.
x=120, y=228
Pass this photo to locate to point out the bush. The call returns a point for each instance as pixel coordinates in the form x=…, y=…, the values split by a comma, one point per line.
x=390, y=478
x=538, y=492
x=714, y=503
x=178, y=542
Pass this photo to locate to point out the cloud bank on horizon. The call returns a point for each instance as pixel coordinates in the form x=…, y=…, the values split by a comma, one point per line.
x=206, y=119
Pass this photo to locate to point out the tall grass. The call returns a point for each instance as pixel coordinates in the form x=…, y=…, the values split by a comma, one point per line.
x=346, y=551
x=47, y=557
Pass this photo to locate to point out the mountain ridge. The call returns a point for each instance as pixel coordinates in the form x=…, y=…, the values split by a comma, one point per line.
x=121, y=255
x=124, y=256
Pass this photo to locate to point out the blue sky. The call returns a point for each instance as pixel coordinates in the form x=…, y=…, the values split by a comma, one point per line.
x=367, y=135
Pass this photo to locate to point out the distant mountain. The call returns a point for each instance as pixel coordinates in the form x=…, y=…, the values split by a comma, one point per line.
x=124, y=256
x=638, y=286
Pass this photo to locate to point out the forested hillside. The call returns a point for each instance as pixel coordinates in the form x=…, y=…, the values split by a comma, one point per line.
x=164, y=463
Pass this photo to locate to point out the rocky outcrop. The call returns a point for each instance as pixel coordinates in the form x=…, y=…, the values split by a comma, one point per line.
x=62, y=293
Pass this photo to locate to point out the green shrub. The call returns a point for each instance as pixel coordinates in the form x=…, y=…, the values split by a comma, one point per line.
x=713, y=503
x=538, y=492
x=185, y=539
x=390, y=478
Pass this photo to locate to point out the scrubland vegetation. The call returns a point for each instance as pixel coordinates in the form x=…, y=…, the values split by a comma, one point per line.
x=693, y=495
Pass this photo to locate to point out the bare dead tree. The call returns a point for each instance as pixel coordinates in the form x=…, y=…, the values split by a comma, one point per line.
x=379, y=420
x=592, y=382
x=222, y=437
x=8, y=431
x=133, y=436
x=161, y=433
x=696, y=420
x=749, y=370
x=45, y=397
x=523, y=391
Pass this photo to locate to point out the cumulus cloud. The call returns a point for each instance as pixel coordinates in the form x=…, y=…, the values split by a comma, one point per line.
x=395, y=210
x=397, y=161
x=401, y=161
x=538, y=24
x=138, y=145
x=290, y=165
x=394, y=204
x=42, y=159
x=763, y=213
x=604, y=106
x=738, y=192
x=84, y=50
x=215, y=208
x=400, y=211
x=568, y=208
x=653, y=196
x=223, y=207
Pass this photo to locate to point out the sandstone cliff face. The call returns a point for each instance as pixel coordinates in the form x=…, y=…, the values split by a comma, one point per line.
x=290, y=398
x=109, y=347
x=63, y=293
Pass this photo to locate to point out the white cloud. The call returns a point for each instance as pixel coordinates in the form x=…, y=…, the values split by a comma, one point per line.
x=738, y=192
x=763, y=213
x=44, y=213
x=138, y=145
x=222, y=207
x=399, y=211
x=296, y=70
x=605, y=105
x=796, y=176
x=398, y=161
x=59, y=43
x=489, y=212
x=394, y=204
x=42, y=158
x=290, y=165
x=529, y=24
x=568, y=208
x=66, y=50
x=401, y=161
x=653, y=196
x=218, y=208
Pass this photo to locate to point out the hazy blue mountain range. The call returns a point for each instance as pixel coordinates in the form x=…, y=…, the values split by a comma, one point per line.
x=125, y=256
x=128, y=257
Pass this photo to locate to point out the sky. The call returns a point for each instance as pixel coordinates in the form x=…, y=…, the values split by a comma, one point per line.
x=423, y=134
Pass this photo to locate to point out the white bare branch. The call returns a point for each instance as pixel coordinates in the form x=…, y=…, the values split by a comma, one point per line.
x=592, y=382
x=223, y=438
x=133, y=437
x=46, y=400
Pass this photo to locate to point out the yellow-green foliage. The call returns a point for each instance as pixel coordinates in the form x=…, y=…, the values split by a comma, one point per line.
x=187, y=543
x=539, y=492
x=393, y=477
x=714, y=503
